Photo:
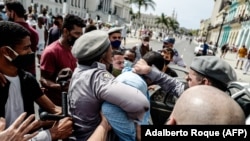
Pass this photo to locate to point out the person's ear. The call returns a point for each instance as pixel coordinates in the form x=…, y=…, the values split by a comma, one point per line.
x=7, y=52
x=205, y=81
x=65, y=31
x=170, y=121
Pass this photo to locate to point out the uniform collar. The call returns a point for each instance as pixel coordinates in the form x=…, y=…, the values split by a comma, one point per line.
x=94, y=65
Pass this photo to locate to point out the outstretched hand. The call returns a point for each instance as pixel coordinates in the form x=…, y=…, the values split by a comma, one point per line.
x=62, y=129
x=20, y=129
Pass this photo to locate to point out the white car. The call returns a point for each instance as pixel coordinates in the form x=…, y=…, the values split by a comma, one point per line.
x=198, y=50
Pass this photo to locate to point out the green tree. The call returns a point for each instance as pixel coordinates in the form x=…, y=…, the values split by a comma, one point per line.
x=173, y=24
x=162, y=20
x=169, y=23
x=142, y=3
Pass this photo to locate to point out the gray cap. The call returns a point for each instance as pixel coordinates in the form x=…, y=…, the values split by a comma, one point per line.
x=214, y=68
x=90, y=45
x=114, y=30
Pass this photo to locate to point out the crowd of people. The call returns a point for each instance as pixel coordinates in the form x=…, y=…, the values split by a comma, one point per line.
x=107, y=83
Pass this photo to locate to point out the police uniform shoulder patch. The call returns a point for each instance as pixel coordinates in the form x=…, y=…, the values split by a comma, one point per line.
x=106, y=76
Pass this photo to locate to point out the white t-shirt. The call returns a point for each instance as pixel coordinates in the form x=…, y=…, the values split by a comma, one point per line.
x=124, y=32
x=40, y=32
x=14, y=106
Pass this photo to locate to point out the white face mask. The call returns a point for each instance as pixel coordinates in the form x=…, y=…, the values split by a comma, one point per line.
x=128, y=64
x=8, y=57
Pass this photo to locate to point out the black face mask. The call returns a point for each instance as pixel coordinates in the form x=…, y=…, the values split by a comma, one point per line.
x=10, y=19
x=72, y=41
x=23, y=61
x=166, y=62
x=56, y=23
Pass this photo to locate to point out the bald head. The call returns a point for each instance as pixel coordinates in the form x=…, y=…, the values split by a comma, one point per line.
x=205, y=104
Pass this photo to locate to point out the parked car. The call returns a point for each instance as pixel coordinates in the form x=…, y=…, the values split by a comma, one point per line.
x=162, y=103
x=198, y=50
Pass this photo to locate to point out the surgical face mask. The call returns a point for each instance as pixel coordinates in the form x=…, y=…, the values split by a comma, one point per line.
x=21, y=61
x=116, y=72
x=116, y=43
x=128, y=64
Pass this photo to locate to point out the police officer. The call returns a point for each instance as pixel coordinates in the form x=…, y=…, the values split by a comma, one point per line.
x=177, y=59
x=91, y=84
x=115, y=37
x=204, y=70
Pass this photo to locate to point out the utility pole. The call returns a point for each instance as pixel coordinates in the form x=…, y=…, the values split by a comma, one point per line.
x=65, y=8
x=223, y=19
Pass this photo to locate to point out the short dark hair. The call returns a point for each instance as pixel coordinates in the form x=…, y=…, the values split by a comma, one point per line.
x=154, y=58
x=89, y=28
x=70, y=20
x=117, y=52
x=12, y=33
x=17, y=7
x=57, y=16
x=130, y=50
x=170, y=50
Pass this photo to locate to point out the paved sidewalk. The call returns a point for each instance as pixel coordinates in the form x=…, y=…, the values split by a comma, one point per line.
x=231, y=59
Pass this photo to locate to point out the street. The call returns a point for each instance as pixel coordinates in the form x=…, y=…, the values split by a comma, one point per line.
x=185, y=49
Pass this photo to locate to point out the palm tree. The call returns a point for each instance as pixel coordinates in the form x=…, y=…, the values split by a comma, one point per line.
x=161, y=20
x=173, y=24
x=143, y=3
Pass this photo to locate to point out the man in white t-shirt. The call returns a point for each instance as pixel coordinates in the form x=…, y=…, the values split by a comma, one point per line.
x=124, y=34
x=42, y=34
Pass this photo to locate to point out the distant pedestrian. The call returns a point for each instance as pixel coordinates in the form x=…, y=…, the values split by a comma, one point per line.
x=241, y=54
x=205, y=48
x=247, y=66
x=124, y=34
x=55, y=32
x=224, y=50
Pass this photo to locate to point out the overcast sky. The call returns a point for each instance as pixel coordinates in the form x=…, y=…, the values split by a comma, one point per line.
x=189, y=12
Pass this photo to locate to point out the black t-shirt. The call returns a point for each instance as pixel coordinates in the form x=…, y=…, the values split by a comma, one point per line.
x=171, y=72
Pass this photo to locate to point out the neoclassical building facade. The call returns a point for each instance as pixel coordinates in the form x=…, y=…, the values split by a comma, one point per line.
x=106, y=10
x=229, y=23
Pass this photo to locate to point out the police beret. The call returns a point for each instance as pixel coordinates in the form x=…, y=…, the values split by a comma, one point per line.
x=90, y=45
x=169, y=40
x=114, y=30
x=214, y=68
